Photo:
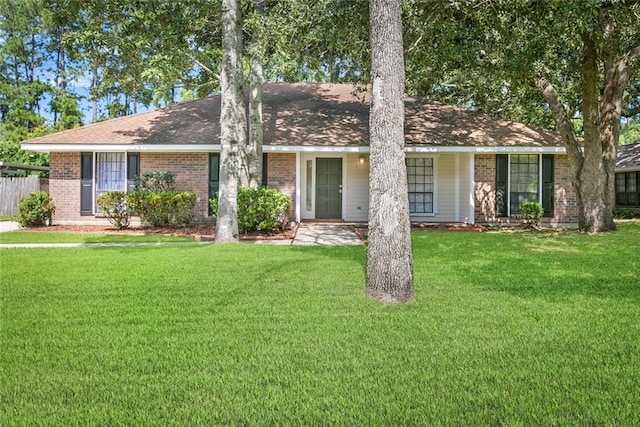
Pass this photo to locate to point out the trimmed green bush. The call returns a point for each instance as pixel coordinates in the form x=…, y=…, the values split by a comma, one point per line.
x=531, y=213
x=160, y=209
x=113, y=204
x=182, y=206
x=263, y=210
x=36, y=209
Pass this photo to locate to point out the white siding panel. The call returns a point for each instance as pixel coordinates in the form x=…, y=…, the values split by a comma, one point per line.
x=357, y=188
x=446, y=181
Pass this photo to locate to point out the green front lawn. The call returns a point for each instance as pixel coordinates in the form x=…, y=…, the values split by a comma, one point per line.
x=507, y=329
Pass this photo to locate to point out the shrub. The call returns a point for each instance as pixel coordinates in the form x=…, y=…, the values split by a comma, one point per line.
x=626, y=213
x=262, y=210
x=159, y=209
x=531, y=213
x=182, y=206
x=36, y=209
x=113, y=204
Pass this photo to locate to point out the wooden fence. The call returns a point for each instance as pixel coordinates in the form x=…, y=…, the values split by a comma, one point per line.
x=14, y=189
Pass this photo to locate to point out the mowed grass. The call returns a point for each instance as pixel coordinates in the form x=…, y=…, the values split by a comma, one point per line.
x=506, y=329
x=20, y=237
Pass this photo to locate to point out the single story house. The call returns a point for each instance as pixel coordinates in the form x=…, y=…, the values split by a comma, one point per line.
x=462, y=166
x=628, y=176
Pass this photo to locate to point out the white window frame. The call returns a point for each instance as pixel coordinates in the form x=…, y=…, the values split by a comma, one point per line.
x=122, y=188
x=434, y=212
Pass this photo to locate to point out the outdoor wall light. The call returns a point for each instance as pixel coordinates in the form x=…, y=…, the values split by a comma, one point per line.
x=361, y=159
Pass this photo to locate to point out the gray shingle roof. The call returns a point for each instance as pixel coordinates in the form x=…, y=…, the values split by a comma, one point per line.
x=628, y=157
x=309, y=114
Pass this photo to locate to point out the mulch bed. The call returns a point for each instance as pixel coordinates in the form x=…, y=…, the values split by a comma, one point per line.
x=361, y=230
x=203, y=232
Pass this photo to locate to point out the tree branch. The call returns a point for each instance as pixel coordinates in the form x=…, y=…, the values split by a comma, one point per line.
x=565, y=127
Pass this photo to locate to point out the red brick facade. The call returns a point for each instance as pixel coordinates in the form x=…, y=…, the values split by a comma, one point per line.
x=64, y=181
x=192, y=171
x=564, y=204
x=64, y=186
x=281, y=176
x=192, y=174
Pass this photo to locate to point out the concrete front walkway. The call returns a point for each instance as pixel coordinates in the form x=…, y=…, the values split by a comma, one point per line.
x=8, y=226
x=310, y=233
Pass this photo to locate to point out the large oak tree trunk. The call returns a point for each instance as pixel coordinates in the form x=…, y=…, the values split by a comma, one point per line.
x=593, y=164
x=592, y=215
x=233, y=123
x=389, y=258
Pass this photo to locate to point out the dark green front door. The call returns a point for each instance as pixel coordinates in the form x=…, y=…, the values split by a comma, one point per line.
x=328, y=188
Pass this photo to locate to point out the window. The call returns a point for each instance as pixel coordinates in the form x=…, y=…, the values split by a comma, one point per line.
x=524, y=178
x=214, y=176
x=102, y=172
x=110, y=172
x=627, y=189
x=420, y=184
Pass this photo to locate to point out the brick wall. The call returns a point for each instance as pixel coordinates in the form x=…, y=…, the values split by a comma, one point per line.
x=485, y=192
x=64, y=186
x=281, y=176
x=191, y=170
x=564, y=207
x=192, y=174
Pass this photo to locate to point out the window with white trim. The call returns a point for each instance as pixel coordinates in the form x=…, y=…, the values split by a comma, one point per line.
x=111, y=173
x=420, y=182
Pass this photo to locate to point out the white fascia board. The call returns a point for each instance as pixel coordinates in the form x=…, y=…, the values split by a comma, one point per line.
x=628, y=169
x=131, y=148
x=314, y=149
x=213, y=148
x=480, y=150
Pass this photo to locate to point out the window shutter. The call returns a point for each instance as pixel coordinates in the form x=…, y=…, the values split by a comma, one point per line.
x=133, y=170
x=547, y=184
x=264, y=169
x=214, y=176
x=502, y=183
x=86, y=183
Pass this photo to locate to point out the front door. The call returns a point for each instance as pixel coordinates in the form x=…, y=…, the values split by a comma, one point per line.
x=329, y=188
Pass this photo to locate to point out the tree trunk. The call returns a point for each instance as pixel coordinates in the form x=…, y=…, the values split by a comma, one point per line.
x=254, y=148
x=593, y=168
x=389, y=258
x=592, y=216
x=94, y=95
x=233, y=123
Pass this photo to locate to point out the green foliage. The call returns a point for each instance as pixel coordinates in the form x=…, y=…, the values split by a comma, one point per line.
x=159, y=204
x=626, y=213
x=36, y=209
x=160, y=209
x=261, y=210
x=531, y=213
x=630, y=133
x=113, y=204
x=157, y=182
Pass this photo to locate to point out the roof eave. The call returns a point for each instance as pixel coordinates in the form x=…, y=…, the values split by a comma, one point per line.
x=199, y=148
